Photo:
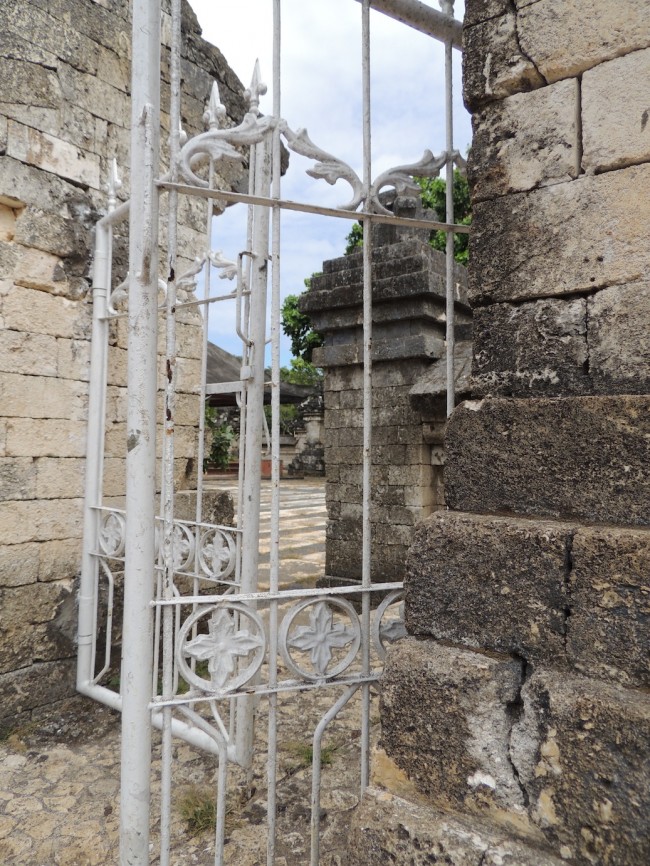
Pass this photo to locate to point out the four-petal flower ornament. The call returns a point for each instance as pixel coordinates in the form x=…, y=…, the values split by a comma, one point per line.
x=111, y=535
x=221, y=646
x=321, y=636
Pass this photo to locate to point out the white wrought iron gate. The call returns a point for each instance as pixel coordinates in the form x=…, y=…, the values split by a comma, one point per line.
x=191, y=590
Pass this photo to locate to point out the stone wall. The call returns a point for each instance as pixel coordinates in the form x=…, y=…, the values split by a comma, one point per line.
x=516, y=716
x=65, y=112
x=408, y=386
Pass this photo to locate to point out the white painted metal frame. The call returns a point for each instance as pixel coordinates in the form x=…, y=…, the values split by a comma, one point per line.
x=311, y=638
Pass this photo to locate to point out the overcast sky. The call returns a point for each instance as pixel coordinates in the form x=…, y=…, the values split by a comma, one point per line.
x=321, y=91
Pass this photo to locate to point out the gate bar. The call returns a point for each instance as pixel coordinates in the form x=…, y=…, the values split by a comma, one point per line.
x=139, y=569
x=423, y=18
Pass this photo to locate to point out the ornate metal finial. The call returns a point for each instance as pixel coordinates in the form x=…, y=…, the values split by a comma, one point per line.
x=215, y=109
x=113, y=185
x=257, y=88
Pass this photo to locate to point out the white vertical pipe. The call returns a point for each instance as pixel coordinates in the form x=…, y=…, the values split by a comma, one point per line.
x=167, y=492
x=447, y=7
x=274, y=579
x=141, y=437
x=366, y=567
x=254, y=426
x=94, y=447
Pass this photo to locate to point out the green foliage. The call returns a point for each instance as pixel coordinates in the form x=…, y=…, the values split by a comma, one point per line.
x=434, y=197
x=354, y=240
x=301, y=372
x=198, y=809
x=297, y=326
x=303, y=755
x=223, y=437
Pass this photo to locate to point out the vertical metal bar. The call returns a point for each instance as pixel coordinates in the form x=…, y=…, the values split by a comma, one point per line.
x=366, y=568
x=168, y=440
x=141, y=437
x=447, y=7
x=316, y=768
x=94, y=448
x=254, y=425
x=271, y=770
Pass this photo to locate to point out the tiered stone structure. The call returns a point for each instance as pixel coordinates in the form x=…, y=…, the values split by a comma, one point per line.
x=65, y=114
x=516, y=717
x=408, y=347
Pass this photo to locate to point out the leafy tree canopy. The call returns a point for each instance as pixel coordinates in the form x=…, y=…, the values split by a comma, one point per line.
x=297, y=326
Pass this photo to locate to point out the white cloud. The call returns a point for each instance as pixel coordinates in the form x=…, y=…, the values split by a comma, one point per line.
x=321, y=91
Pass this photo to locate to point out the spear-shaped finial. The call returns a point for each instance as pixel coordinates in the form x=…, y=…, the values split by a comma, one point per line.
x=257, y=88
x=215, y=109
x=113, y=185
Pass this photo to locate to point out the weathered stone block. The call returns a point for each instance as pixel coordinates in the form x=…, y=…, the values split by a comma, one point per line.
x=57, y=477
x=446, y=723
x=60, y=559
x=404, y=832
x=35, y=686
x=615, y=113
x=481, y=10
x=37, y=437
x=30, y=354
x=617, y=336
x=42, y=397
x=531, y=349
x=564, y=39
x=582, y=751
x=574, y=458
x=584, y=232
x=609, y=604
x=525, y=141
x=73, y=359
x=494, y=66
x=33, y=520
x=23, y=309
x=18, y=563
x=52, y=154
x=36, y=625
x=496, y=583
x=17, y=478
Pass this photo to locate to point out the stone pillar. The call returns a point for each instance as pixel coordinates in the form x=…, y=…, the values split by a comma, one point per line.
x=408, y=352
x=520, y=702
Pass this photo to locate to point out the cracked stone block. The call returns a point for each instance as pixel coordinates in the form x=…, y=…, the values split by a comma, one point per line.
x=615, y=113
x=496, y=583
x=446, y=716
x=389, y=829
x=36, y=685
x=494, y=65
x=564, y=39
x=607, y=633
x=582, y=458
x=582, y=750
x=531, y=349
x=618, y=323
x=525, y=141
x=477, y=11
x=561, y=239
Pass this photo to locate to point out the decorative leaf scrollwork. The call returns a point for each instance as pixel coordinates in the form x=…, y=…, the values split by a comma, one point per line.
x=227, y=641
x=220, y=144
x=401, y=178
x=328, y=167
x=320, y=637
x=227, y=267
